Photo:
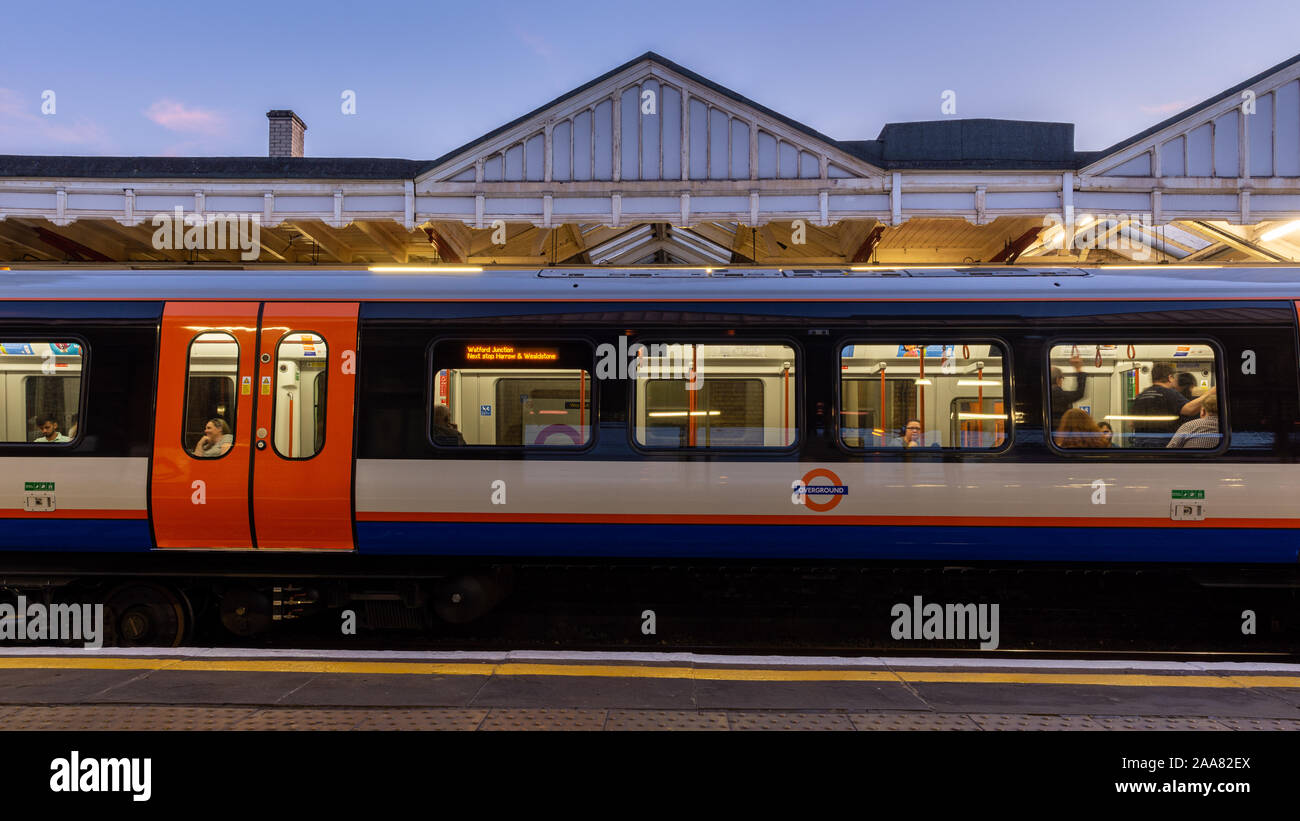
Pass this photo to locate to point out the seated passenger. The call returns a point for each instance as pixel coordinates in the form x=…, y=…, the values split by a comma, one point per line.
x=911, y=434
x=1187, y=387
x=1107, y=434
x=444, y=430
x=50, y=431
x=217, y=439
x=1078, y=431
x=1202, y=432
x=1162, y=399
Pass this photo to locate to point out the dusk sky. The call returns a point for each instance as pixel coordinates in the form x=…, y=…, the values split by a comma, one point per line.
x=197, y=79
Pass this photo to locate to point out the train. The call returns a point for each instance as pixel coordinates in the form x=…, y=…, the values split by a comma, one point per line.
x=269, y=443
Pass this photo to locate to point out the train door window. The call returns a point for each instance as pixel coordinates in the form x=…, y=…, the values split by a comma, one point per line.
x=934, y=395
x=511, y=394
x=301, y=359
x=208, y=429
x=40, y=391
x=715, y=396
x=1137, y=395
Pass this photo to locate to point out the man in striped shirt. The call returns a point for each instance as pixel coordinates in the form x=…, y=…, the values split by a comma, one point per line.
x=1202, y=432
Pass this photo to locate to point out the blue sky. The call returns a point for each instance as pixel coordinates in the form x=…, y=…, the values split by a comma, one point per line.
x=197, y=79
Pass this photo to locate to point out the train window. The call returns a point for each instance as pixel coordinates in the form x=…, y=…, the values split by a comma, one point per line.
x=1134, y=395
x=300, y=384
x=932, y=395
x=511, y=393
x=210, y=395
x=715, y=396
x=40, y=391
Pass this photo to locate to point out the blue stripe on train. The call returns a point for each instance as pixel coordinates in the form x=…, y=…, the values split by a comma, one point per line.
x=1072, y=544
x=99, y=535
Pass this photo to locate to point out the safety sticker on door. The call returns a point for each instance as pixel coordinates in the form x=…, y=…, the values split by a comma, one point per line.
x=38, y=497
x=246, y=386
x=266, y=386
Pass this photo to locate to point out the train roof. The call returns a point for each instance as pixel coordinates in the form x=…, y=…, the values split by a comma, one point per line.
x=865, y=283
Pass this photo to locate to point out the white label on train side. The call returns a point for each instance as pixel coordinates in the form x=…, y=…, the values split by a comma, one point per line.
x=38, y=497
x=1187, y=511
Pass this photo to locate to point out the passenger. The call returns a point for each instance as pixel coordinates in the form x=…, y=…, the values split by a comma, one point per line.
x=1079, y=431
x=912, y=434
x=1162, y=399
x=1187, y=386
x=50, y=431
x=1107, y=435
x=1061, y=398
x=444, y=430
x=217, y=439
x=1202, y=432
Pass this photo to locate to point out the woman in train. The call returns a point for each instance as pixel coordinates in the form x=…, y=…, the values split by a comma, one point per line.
x=1077, y=430
x=216, y=439
x=1107, y=434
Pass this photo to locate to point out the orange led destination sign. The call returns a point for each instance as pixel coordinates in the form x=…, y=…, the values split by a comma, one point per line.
x=508, y=353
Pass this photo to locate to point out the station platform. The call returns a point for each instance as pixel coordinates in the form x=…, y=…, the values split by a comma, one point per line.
x=225, y=689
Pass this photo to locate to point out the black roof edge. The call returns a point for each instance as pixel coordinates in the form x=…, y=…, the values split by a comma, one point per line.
x=340, y=168
x=1188, y=112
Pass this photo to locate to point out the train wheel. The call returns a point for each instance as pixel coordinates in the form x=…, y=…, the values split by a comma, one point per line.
x=245, y=612
x=144, y=614
x=466, y=598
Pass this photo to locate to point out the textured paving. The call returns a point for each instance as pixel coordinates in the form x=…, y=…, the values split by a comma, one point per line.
x=193, y=693
x=148, y=717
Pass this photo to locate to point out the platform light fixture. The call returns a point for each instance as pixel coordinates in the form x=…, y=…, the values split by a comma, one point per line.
x=1280, y=231
x=425, y=269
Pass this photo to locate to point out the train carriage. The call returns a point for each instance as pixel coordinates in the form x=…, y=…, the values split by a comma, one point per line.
x=168, y=436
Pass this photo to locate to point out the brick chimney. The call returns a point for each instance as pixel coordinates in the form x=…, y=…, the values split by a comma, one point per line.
x=286, y=133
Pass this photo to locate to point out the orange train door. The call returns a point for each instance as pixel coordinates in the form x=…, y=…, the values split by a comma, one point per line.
x=206, y=365
x=302, y=456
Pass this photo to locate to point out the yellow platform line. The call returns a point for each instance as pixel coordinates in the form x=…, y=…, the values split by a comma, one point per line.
x=633, y=671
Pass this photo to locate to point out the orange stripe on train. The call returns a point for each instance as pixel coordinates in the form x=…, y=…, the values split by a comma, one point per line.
x=72, y=513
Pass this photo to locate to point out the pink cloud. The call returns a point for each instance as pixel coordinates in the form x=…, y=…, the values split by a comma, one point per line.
x=539, y=45
x=175, y=116
x=1164, y=108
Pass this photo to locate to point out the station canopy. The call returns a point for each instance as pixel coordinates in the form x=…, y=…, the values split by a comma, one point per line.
x=653, y=164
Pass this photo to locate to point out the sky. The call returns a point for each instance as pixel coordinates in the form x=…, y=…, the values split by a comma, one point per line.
x=196, y=79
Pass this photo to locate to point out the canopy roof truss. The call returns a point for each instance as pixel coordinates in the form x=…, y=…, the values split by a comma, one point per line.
x=652, y=162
